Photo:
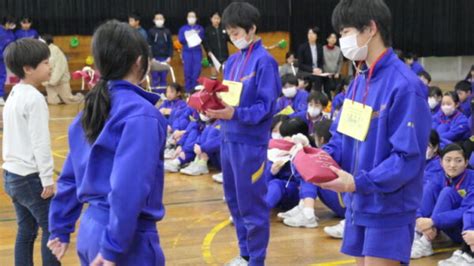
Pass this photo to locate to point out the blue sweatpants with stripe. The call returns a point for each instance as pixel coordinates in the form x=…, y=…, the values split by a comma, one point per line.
x=245, y=188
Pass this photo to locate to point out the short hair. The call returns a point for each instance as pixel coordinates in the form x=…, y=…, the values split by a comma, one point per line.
x=426, y=75
x=359, y=13
x=241, y=14
x=294, y=126
x=177, y=87
x=215, y=13
x=410, y=55
x=277, y=119
x=435, y=91
x=25, y=52
x=463, y=85
x=288, y=54
x=434, y=138
x=48, y=38
x=453, y=96
x=135, y=16
x=26, y=19
x=322, y=129
x=8, y=19
x=454, y=147
x=314, y=29
x=318, y=97
x=290, y=79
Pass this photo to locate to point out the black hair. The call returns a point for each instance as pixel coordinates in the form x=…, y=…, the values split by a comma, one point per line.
x=453, y=147
x=359, y=13
x=318, y=97
x=435, y=91
x=288, y=54
x=215, y=13
x=469, y=75
x=434, y=139
x=116, y=47
x=410, y=55
x=8, y=19
x=277, y=119
x=241, y=14
x=426, y=75
x=322, y=129
x=331, y=33
x=290, y=79
x=25, y=52
x=48, y=38
x=306, y=79
x=399, y=53
x=453, y=96
x=314, y=29
x=340, y=85
x=26, y=19
x=463, y=85
x=135, y=16
x=178, y=88
x=293, y=126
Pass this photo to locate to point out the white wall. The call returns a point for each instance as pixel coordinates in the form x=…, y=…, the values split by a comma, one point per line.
x=447, y=68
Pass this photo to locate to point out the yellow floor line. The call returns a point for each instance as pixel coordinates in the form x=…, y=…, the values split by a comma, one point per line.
x=206, y=243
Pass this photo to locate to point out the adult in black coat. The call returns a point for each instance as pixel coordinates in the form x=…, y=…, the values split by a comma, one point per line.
x=311, y=59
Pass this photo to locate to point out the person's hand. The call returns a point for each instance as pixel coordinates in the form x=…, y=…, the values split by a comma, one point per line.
x=424, y=224
x=100, y=261
x=336, y=76
x=178, y=134
x=57, y=248
x=178, y=150
x=182, y=155
x=276, y=167
x=468, y=236
x=343, y=183
x=431, y=233
x=197, y=149
x=225, y=114
x=317, y=71
x=48, y=192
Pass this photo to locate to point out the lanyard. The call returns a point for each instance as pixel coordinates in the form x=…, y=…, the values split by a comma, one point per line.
x=458, y=185
x=371, y=72
x=241, y=67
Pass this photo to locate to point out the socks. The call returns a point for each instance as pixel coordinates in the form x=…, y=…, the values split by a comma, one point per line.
x=308, y=212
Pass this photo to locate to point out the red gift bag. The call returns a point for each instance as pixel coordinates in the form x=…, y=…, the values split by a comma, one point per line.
x=207, y=98
x=313, y=165
x=280, y=144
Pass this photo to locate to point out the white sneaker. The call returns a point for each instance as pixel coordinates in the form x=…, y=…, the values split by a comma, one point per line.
x=300, y=220
x=169, y=153
x=231, y=220
x=172, y=165
x=196, y=168
x=335, y=231
x=237, y=261
x=219, y=178
x=421, y=248
x=2, y=102
x=291, y=213
x=467, y=260
x=455, y=260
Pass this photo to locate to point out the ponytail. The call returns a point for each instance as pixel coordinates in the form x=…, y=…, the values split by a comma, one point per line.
x=96, y=110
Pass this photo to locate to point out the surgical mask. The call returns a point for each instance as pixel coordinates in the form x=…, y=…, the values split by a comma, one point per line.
x=241, y=43
x=276, y=135
x=12, y=27
x=159, y=23
x=204, y=118
x=432, y=102
x=314, y=111
x=448, y=110
x=191, y=21
x=351, y=50
x=289, y=92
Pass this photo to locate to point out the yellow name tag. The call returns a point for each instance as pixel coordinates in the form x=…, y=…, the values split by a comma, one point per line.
x=462, y=192
x=355, y=120
x=287, y=111
x=232, y=97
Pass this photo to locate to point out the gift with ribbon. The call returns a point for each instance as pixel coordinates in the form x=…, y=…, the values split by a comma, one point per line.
x=88, y=75
x=206, y=98
x=313, y=165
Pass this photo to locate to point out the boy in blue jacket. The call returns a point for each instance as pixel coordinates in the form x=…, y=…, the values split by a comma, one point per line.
x=382, y=154
x=192, y=56
x=445, y=199
x=6, y=37
x=26, y=31
x=293, y=96
x=161, y=44
x=115, y=164
x=246, y=130
x=450, y=123
x=463, y=89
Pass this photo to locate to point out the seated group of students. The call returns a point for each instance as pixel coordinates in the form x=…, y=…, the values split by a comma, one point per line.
x=448, y=196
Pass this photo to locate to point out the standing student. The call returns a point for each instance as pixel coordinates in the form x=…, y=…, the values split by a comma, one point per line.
x=115, y=163
x=215, y=42
x=192, y=55
x=6, y=37
x=382, y=155
x=26, y=31
x=134, y=21
x=246, y=130
x=28, y=162
x=159, y=38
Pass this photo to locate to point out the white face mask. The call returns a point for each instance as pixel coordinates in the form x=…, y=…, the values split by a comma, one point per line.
x=448, y=110
x=289, y=92
x=276, y=135
x=204, y=118
x=351, y=50
x=314, y=111
x=241, y=43
x=432, y=102
x=159, y=23
x=12, y=27
x=191, y=21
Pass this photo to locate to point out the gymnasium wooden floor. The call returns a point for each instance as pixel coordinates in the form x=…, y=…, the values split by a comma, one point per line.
x=196, y=230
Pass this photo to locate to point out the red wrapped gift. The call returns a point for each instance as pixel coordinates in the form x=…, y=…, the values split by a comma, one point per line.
x=88, y=75
x=207, y=98
x=313, y=165
x=280, y=144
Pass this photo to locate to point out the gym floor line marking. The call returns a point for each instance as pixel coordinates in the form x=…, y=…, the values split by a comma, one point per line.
x=61, y=118
x=352, y=261
x=60, y=137
x=206, y=243
x=57, y=153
